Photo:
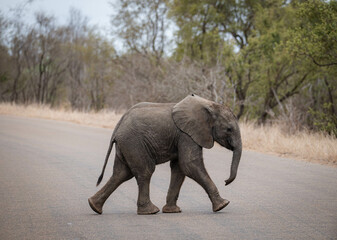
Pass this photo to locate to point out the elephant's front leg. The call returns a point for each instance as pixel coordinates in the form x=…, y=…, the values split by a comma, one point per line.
x=177, y=179
x=197, y=172
x=192, y=164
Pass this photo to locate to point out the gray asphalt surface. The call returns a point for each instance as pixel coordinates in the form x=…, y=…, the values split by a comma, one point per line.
x=48, y=169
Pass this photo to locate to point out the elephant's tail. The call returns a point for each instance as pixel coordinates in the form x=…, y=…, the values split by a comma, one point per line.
x=112, y=141
x=106, y=159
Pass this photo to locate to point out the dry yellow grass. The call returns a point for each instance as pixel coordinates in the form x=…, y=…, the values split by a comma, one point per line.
x=106, y=119
x=304, y=145
x=314, y=147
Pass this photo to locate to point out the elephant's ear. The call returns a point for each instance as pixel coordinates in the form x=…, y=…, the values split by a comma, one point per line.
x=193, y=116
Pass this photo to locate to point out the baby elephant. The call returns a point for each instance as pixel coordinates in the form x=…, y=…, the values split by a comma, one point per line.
x=154, y=133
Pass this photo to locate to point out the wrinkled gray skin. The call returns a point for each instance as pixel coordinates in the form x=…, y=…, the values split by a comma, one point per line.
x=154, y=133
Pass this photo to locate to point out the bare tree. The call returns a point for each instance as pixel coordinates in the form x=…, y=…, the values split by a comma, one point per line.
x=77, y=30
x=44, y=59
x=142, y=25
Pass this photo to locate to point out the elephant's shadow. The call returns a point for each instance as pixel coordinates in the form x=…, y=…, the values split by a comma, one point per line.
x=131, y=212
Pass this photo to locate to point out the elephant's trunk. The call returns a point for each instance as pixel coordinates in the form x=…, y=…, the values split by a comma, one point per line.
x=235, y=163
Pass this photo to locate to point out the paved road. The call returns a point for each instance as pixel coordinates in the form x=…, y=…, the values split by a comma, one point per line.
x=48, y=169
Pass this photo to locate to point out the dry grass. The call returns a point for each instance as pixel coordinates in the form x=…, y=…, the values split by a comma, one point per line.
x=304, y=145
x=313, y=147
x=106, y=119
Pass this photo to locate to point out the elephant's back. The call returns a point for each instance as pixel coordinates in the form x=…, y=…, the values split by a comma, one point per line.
x=152, y=126
x=153, y=105
x=145, y=118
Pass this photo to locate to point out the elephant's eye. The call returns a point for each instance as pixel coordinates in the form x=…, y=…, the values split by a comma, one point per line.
x=229, y=129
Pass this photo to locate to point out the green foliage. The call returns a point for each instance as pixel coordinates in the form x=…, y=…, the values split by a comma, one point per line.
x=198, y=36
x=3, y=78
x=325, y=120
x=315, y=34
x=206, y=26
x=278, y=76
x=313, y=40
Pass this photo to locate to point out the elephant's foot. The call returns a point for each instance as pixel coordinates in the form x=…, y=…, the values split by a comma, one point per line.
x=217, y=206
x=94, y=207
x=146, y=209
x=171, y=209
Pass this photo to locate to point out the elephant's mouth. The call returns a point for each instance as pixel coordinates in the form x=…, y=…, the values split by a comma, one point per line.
x=224, y=141
x=228, y=144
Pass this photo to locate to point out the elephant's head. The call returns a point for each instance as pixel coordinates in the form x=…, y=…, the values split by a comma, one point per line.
x=205, y=122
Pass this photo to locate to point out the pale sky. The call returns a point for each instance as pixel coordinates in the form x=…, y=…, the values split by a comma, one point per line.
x=97, y=11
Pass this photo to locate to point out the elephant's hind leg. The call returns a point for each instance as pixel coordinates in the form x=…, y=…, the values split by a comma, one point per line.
x=121, y=173
x=177, y=179
x=142, y=166
x=144, y=204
